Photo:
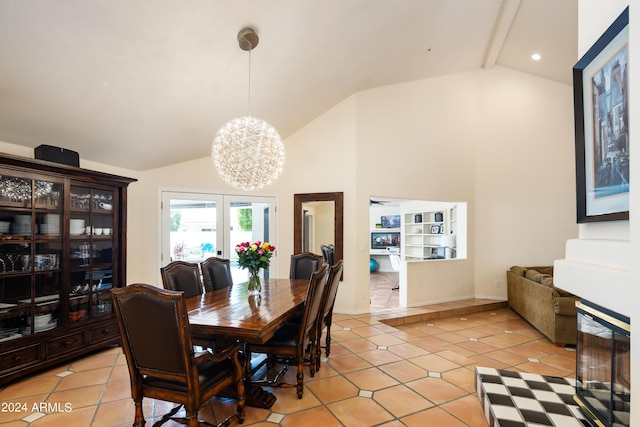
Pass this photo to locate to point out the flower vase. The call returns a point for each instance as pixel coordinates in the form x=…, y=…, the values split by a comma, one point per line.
x=255, y=286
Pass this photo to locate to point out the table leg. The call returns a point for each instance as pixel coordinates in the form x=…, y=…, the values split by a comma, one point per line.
x=256, y=396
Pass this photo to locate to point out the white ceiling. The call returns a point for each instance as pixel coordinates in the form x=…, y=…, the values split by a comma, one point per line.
x=140, y=84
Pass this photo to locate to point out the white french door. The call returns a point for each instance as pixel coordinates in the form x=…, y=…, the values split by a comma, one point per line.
x=195, y=226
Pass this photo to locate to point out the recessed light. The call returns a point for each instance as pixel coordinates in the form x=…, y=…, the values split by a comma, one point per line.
x=536, y=57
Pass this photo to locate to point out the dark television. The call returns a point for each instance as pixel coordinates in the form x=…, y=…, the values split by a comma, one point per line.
x=382, y=240
x=390, y=221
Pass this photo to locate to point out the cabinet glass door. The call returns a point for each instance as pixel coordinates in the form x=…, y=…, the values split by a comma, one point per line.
x=30, y=251
x=91, y=229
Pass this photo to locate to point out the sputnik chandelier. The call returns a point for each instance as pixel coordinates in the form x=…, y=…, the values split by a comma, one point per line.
x=248, y=152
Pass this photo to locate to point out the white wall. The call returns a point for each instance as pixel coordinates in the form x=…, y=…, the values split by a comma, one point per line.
x=634, y=206
x=498, y=139
x=525, y=176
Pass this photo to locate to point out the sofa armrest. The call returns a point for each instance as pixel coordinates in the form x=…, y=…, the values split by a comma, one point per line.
x=565, y=306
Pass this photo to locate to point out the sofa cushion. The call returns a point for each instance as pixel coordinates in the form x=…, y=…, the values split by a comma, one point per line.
x=520, y=271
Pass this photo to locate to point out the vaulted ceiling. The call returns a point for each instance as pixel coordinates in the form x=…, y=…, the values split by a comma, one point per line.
x=140, y=84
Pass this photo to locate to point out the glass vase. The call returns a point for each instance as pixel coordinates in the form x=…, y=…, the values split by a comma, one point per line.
x=255, y=285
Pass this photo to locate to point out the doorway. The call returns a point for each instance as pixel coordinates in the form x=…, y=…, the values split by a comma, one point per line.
x=403, y=231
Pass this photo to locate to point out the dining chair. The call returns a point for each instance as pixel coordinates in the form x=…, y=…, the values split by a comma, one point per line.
x=326, y=311
x=157, y=344
x=182, y=276
x=328, y=253
x=303, y=265
x=291, y=341
x=216, y=273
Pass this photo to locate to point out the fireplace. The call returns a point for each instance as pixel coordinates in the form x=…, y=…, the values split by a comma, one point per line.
x=603, y=365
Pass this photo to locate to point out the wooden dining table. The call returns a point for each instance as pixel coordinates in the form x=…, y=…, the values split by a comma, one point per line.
x=232, y=314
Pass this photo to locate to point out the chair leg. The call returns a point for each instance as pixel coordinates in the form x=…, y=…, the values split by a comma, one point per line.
x=312, y=359
x=300, y=378
x=241, y=399
x=318, y=350
x=192, y=418
x=139, y=420
x=327, y=347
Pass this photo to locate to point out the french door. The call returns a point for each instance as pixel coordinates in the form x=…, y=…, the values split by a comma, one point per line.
x=196, y=226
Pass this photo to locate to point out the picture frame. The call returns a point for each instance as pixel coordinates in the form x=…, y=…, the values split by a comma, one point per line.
x=435, y=229
x=601, y=127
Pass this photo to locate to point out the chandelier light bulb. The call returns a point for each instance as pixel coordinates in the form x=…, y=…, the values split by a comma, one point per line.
x=248, y=153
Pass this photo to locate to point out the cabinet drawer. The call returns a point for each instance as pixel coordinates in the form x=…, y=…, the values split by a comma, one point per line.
x=65, y=343
x=21, y=356
x=104, y=332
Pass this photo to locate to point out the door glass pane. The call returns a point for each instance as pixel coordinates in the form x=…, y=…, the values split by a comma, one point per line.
x=30, y=250
x=193, y=229
x=15, y=192
x=91, y=230
x=249, y=221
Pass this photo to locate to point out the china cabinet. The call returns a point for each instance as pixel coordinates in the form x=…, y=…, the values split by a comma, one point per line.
x=62, y=248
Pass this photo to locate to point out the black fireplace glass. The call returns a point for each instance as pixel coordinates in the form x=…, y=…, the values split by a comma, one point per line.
x=603, y=350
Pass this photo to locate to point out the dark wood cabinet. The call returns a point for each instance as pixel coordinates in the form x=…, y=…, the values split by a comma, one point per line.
x=62, y=249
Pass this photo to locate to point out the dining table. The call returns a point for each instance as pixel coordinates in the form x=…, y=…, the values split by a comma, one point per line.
x=232, y=314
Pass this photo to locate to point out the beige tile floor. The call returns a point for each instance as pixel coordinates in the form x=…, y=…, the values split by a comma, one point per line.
x=382, y=295
x=410, y=374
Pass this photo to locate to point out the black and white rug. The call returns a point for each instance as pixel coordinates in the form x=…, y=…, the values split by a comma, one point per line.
x=519, y=399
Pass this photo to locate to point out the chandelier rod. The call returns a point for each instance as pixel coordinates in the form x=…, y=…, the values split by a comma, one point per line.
x=248, y=40
x=249, y=90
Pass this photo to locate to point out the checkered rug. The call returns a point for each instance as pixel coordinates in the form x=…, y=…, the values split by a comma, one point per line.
x=519, y=399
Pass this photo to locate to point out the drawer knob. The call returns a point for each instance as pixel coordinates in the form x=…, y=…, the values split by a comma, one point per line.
x=66, y=343
x=17, y=358
x=105, y=331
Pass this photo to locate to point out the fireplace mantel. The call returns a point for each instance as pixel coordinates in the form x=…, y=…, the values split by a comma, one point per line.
x=597, y=270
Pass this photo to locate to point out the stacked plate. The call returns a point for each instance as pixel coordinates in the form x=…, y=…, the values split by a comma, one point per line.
x=51, y=225
x=47, y=326
x=40, y=319
x=21, y=224
x=41, y=323
x=76, y=227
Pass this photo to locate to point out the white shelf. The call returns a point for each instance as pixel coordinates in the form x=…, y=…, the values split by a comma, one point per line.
x=418, y=242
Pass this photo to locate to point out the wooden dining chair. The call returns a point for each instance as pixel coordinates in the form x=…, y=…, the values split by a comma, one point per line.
x=182, y=276
x=303, y=265
x=326, y=311
x=156, y=341
x=216, y=273
x=291, y=341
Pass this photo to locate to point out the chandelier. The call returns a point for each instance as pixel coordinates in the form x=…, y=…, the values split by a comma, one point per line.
x=248, y=152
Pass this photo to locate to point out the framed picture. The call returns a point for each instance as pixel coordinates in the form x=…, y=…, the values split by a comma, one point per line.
x=435, y=229
x=602, y=127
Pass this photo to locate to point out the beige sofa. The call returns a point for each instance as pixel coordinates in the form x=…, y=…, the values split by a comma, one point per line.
x=550, y=310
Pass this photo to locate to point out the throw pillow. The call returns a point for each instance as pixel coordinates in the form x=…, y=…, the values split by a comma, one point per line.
x=547, y=280
x=533, y=275
x=520, y=271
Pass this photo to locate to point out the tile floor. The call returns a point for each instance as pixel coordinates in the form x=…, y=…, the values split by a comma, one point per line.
x=382, y=294
x=383, y=371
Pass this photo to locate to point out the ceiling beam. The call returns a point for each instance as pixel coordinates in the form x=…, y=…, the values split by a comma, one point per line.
x=506, y=15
